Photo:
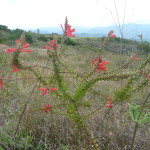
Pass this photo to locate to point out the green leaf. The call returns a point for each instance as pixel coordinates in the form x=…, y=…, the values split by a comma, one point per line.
x=145, y=119
x=133, y=110
x=85, y=103
x=71, y=109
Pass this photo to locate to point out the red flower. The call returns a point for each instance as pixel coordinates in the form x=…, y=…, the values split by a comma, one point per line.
x=46, y=108
x=25, y=45
x=46, y=90
x=140, y=36
x=1, y=83
x=132, y=57
x=6, y=78
x=108, y=104
x=15, y=69
x=135, y=58
x=148, y=77
x=23, y=50
x=52, y=44
x=17, y=42
x=111, y=35
x=10, y=50
x=53, y=89
x=68, y=31
x=100, y=64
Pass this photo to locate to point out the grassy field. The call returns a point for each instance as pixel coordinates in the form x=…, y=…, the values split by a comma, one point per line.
x=111, y=128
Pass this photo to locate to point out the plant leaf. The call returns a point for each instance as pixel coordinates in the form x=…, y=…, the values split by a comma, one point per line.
x=145, y=119
x=133, y=110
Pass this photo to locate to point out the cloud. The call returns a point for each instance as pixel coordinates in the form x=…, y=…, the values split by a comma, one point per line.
x=42, y=13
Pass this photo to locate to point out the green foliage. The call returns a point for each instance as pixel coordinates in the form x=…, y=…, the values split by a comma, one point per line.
x=3, y=36
x=82, y=89
x=63, y=147
x=145, y=119
x=135, y=115
x=69, y=41
x=22, y=141
x=50, y=37
x=2, y=59
x=15, y=34
x=61, y=84
x=4, y=28
x=144, y=47
x=28, y=37
x=133, y=110
x=59, y=39
x=123, y=94
x=42, y=38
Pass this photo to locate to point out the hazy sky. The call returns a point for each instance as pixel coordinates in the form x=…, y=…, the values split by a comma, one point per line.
x=46, y=13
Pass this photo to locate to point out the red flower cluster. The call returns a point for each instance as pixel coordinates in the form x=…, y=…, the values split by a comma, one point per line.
x=46, y=108
x=111, y=35
x=52, y=44
x=100, y=64
x=132, y=57
x=108, y=104
x=68, y=31
x=1, y=83
x=15, y=69
x=25, y=45
x=148, y=77
x=46, y=90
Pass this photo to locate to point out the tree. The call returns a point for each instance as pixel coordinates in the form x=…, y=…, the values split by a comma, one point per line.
x=15, y=34
x=4, y=28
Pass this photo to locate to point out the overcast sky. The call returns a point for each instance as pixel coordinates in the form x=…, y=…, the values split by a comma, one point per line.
x=90, y=13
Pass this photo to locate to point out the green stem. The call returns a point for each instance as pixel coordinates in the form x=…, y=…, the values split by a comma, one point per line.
x=92, y=141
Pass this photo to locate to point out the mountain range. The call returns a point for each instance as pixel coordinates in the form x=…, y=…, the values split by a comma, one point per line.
x=130, y=31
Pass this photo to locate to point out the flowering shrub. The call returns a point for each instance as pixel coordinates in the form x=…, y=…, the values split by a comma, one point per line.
x=74, y=102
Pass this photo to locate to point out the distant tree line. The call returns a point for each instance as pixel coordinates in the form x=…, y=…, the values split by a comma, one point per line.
x=7, y=35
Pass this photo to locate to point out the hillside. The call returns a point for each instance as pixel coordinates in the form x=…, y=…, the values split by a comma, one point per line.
x=90, y=37
x=131, y=31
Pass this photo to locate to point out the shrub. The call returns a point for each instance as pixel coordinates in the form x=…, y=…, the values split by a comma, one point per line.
x=15, y=34
x=42, y=38
x=69, y=41
x=144, y=47
x=29, y=37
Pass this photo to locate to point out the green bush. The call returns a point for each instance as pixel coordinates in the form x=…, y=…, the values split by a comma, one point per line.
x=69, y=41
x=59, y=39
x=29, y=38
x=4, y=28
x=144, y=47
x=15, y=34
x=43, y=38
